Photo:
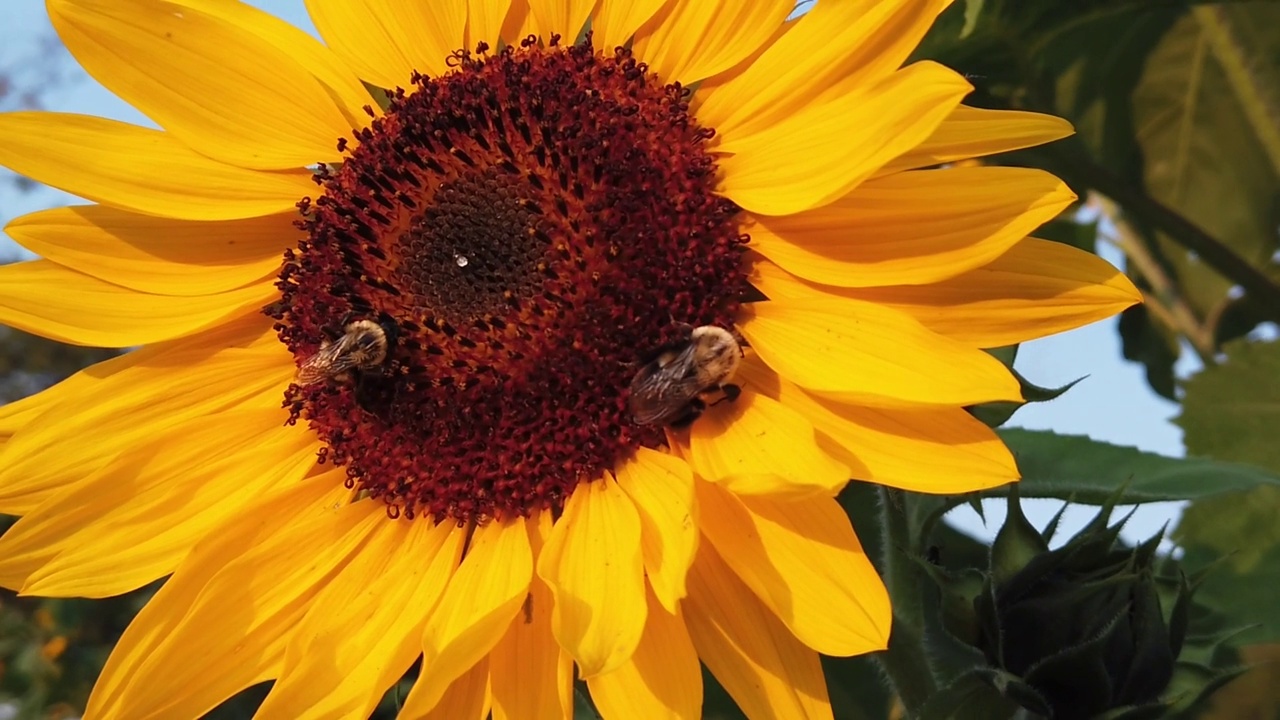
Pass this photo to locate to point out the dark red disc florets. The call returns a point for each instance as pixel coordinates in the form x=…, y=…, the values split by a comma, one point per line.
x=527, y=226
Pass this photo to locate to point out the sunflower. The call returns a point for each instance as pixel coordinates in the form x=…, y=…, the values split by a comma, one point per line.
x=389, y=293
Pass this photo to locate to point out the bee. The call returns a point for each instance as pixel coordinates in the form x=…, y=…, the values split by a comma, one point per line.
x=364, y=345
x=674, y=385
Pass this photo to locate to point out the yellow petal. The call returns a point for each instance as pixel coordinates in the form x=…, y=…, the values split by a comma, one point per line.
x=315, y=496
x=335, y=75
x=158, y=255
x=244, y=616
x=529, y=675
x=466, y=699
x=46, y=299
x=21, y=413
x=661, y=486
x=931, y=450
x=974, y=132
x=804, y=561
x=913, y=227
x=385, y=41
x=617, y=20
x=564, y=17
x=757, y=446
x=147, y=171
x=477, y=607
x=136, y=518
x=484, y=22
x=223, y=90
x=691, y=40
x=520, y=23
x=834, y=49
x=17, y=414
x=593, y=564
x=823, y=150
x=165, y=386
x=426, y=33
x=755, y=657
x=1037, y=288
x=362, y=630
x=661, y=680
x=863, y=352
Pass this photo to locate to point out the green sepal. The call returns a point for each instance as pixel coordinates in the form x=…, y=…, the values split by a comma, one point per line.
x=972, y=696
x=1180, y=614
x=1083, y=666
x=974, y=501
x=1017, y=543
x=989, y=625
x=1051, y=528
x=995, y=414
x=583, y=709
x=1018, y=691
x=1150, y=711
x=950, y=627
x=1152, y=661
x=1193, y=682
x=957, y=592
x=381, y=96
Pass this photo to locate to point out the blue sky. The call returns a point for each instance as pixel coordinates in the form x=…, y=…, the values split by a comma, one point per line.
x=1113, y=403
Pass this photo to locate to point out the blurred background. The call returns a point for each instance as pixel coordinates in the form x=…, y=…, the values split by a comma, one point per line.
x=1177, y=163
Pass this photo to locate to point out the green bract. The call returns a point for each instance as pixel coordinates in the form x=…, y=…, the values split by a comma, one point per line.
x=1092, y=629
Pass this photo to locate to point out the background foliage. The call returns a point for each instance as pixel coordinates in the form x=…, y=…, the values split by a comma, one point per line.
x=1177, y=162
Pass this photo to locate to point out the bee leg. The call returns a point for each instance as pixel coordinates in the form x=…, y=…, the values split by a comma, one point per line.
x=692, y=412
x=731, y=393
x=390, y=327
x=365, y=390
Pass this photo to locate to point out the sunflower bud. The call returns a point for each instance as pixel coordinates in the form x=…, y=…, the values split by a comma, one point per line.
x=1091, y=629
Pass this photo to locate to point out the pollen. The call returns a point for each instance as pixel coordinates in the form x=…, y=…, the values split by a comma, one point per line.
x=527, y=227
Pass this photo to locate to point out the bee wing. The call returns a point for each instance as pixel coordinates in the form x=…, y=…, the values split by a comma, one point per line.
x=329, y=360
x=661, y=394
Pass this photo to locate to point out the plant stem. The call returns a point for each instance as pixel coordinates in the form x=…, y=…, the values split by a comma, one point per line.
x=904, y=662
x=1167, y=302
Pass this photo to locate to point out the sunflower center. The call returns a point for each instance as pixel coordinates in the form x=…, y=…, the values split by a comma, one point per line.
x=484, y=272
x=472, y=246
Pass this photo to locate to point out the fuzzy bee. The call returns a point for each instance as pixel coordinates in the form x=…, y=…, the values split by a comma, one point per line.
x=674, y=385
x=364, y=345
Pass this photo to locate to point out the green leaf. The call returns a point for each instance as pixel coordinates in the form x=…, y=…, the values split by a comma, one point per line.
x=1232, y=410
x=1154, y=345
x=1088, y=471
x=1240, y=316
x=1210, y=152
x=972, y=9
x=1090, y=60
x=1068, y=231
x=1174, y=105
x=1241, y=526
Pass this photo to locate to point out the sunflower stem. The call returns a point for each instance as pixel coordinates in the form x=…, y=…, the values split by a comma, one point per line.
x=904, y=663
